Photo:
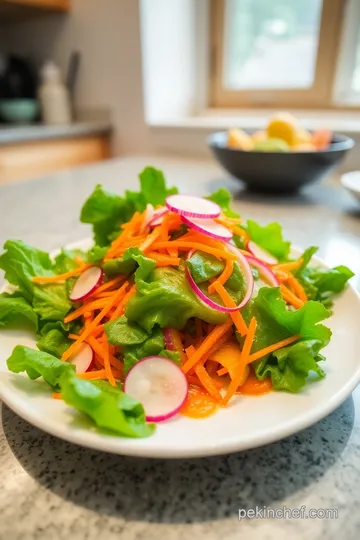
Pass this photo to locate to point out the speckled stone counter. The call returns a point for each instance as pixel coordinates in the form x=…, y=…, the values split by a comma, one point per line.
x=50, y=489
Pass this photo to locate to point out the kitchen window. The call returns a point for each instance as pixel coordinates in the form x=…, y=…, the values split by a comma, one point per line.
x=285, y=53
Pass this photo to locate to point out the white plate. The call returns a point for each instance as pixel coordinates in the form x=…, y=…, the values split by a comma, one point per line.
x=246, y=423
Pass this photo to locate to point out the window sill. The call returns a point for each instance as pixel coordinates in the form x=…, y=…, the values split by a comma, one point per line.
x=342, y=121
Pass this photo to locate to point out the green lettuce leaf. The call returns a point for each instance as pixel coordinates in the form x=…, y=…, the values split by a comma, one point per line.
x=15, y=310
x=204, y=266
x=152, y=346
x=106, y=211
x=21, y=263
x=132, y=259
x=322, y=284
x=269, y=238
x=166, y=299
x=223, y=198
x=107, y=406
x=64, y=261
x=274, y=323
x=38, y=364
x=123, y=332
x=54, y=342
x=96, y=254
x=289, y=367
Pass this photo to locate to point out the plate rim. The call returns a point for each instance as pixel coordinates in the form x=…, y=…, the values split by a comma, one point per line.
x=128, y=447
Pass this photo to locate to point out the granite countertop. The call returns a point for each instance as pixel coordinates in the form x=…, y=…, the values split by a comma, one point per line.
x=50, y=489
x=15, y=134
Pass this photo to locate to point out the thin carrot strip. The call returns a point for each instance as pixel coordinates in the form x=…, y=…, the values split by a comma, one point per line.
x=173, y=252
x=107, y=365
x=290, y=297
x=239, y=231
x=56, y=395
x=194, y=236
x=105, y=294
x=112, y=283
x=224, y=276
x=97, y=304
x=245, y=353
x=186, y=245
x=153, y=236
x=98, y=348
x=207, y=382
x=236, y=316
x=297, y=288
x=176, y=339
x=87, y=331
x=207, y=344
x=121, y=306
x=287, y=267
x=79, y=261
x=274, y=347
x=282, y=276
x=163, y=260
x=265, y=351
x=61, y=277
x=73, y=336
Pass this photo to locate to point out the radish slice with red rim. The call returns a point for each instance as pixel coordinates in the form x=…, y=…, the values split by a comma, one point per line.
x=149, y=215
x=266, y=274
x=159, y=385
x=86, y=284
x=191, y=206
x=261, y=254
x=158, y=216
x=209, y=227
x=83, y=360
x=249, y=280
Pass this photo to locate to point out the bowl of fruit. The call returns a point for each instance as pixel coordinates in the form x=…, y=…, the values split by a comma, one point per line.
x=281, y=158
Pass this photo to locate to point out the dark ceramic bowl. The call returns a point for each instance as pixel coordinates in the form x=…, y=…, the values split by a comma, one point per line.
x=278, y=172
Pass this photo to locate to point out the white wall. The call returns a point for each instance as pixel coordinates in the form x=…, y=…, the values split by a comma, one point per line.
x=107, y=34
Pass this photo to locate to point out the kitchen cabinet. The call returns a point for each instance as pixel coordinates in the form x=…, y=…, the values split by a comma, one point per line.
x=15, y=10
x=27, y=160
x=54, y=5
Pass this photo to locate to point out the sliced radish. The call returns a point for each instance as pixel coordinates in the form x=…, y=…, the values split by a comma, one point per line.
x=83, y=359
x=191, y=206
x=158, y=216
x=159, y=385
x=209, y=227
x=249, y=279
x=266, y=274
x=86, y=284
x=168, y=338
x=149, y=214
x=261, y=254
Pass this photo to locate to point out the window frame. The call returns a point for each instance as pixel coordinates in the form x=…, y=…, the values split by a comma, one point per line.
x=320, y=95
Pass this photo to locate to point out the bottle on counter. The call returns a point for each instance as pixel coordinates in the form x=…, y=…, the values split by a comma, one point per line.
x=54, y=96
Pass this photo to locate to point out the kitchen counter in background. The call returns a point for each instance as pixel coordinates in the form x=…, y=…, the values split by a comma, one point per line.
x=50, y=489
x=12, y=134
x=31, y=151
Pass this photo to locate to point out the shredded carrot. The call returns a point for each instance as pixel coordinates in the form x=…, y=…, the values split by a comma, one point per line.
x=239, y=231
x=207, y=344
x=297, y=288
x=61, y=277
x=245, y=353
x=208, y=382
x=266, y=350
x=107, y=365
x=190, y=350
x=176, y=339
x=121, y=306
x=109, y=284
x=282, y=276
x=163, y=260
x=153, y=236
x=274, y=347
x=188, y=245
x=56, y=395
x=99, y=350
x=97, y=304
x=129, y=228
x=88, y=330
x=288, y=267
x=73, y=336
x=79, y=261
x=236, y=316
x=222, y=279
x=290, y=297
x=211, y=367
x=173, y=252
x=105, y=294
x=194, y=236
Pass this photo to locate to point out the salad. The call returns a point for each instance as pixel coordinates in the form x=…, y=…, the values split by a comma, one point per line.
x=179, y=306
